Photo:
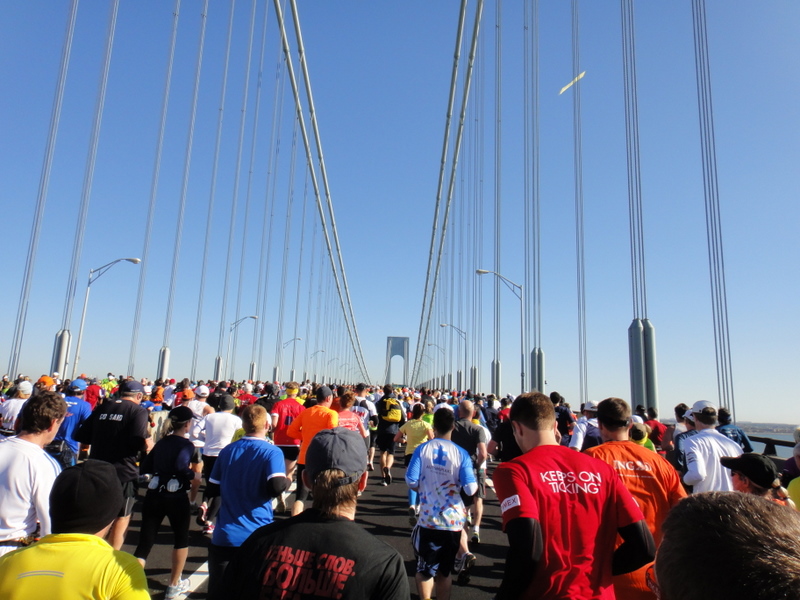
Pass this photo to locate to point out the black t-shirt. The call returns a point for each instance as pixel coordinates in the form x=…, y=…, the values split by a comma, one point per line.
x=504, y=438
x=310, y=557
x=170, y=458
x=116, y=432
x=564, y=418
x=468, y=435
x=383, y=406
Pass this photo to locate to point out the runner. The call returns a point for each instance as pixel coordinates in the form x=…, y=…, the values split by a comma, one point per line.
x=282, y=414
x=439, y=470
x=416, y=432
x=169, y=464
x=390, y=418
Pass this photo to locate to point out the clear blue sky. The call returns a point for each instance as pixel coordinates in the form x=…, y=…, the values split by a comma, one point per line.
x=380, y=75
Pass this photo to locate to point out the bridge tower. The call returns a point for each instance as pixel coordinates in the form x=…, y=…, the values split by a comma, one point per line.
x=396, y=346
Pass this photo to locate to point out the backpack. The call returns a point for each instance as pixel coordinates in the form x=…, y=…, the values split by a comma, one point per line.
x=392, y=412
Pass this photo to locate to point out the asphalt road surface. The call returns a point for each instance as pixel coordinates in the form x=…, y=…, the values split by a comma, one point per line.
x=381, y=510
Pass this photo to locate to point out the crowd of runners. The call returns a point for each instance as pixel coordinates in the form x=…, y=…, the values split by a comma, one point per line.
x=603, y=502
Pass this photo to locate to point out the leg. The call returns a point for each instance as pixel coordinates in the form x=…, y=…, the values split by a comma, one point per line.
x=179, y=556
x=179, y=517
x=443, y=587
x=116, y=537
x=424, y=586
x=197, y=468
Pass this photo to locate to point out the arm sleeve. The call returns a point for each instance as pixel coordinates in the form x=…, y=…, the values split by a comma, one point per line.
x=695, y=469
x=637, y=549
x=578, y=434
x=276, y=485
x=525, y=547
x=746, y=445
x=84, y=432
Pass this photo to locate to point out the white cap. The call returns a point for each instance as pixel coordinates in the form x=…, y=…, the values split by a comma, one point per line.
x=201, y=391
x=698, y=406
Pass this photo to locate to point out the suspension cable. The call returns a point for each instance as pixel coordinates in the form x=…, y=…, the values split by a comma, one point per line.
x=151, y=210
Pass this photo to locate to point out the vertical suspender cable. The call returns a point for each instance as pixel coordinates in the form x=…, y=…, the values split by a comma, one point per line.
x=716, y=260
x=248, y=193
x=285, y=263
x=235, y=198
x=579, y=246
x=427, y=302
x=498, y=110
x=300, y=271
x=212, y=190
x=151, y=210
x=88, y=177
x=323, y=172
x=41, y=200
x=269, y=208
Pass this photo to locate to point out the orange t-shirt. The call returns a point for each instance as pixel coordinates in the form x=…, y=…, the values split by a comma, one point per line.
x=308, y=423
x=656, y=487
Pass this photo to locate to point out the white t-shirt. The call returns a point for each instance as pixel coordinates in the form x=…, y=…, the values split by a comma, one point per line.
x=220, y=428
x=27, y=474
x=169, y=395
x=9, y=411
x=704, y=471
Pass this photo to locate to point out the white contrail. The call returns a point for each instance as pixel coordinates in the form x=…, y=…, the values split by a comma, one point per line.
x=571, y=83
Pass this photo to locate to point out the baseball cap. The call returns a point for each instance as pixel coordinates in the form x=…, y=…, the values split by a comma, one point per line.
x=201, y=391
x=227, y=402
x=78, y=384
x=25, y=387
x=688, y=415
x=324, y=392
x=85, y=498
x=756, y=467
x=181, y=414
x=47, y=381
x=337, y=448
x=131, y=386
x=591, y=406
x=698, y=406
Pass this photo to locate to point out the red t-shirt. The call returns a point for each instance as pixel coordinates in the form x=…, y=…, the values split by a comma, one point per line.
x=349, y=420
x=504, y=414
x=657, y=431
x=92, y=394
x=287, y=411
x=579, y=502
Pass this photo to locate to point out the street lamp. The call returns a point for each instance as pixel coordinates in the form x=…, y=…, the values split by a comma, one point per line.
x=291, y=340
x=519, y=292
x=466, y=350
x=234, y=325
x=94, y=275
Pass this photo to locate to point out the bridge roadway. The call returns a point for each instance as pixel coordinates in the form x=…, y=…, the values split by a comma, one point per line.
x=381, y=510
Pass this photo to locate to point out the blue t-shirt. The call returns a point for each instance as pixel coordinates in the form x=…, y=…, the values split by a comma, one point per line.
x=242, y=471
x=439, y=469
x=78, y=411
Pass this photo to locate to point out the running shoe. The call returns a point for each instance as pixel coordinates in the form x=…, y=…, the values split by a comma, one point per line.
x=173, y=591
x=208, y=528
x=464, y=573
x=476, y=537
x=412, y=516
x=370, y=467
x=200, y=519
x=387, y=476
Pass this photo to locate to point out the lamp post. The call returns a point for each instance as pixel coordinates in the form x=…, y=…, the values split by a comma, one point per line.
x=94, y=275
x=234, y=325
x=519, y=292
x=466, y=350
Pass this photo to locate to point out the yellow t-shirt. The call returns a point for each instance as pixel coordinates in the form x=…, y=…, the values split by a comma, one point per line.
x=71, y=565
x=308, y=423
x=416, y=432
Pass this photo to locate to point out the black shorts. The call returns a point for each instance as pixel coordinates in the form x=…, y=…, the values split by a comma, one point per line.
x=385, y=442
x=129, y=494
x=435, y=550
x=290, y=452
x=407, y=459
x=373, y=435
x=208, y=466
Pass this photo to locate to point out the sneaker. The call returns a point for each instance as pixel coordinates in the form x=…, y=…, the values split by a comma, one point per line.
x=476, y=538
x=208, y=528
x=173, y=591
x=370, y=467
x=383, y=482
x=387, y=476
x=412, y=516
x=464, y=574
x=200, y=519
